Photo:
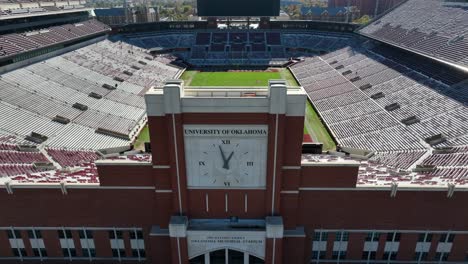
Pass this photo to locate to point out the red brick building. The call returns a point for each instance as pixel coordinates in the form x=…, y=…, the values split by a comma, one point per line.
x=367, y=7
x=227, y=183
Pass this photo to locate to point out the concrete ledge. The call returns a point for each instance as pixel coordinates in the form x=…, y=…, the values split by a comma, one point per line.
x=178, y=226
x=274, y=227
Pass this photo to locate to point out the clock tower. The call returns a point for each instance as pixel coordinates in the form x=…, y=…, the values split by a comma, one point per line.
x=224, y=152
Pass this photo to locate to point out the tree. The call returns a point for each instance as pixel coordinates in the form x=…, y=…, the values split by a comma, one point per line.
x=363, y=20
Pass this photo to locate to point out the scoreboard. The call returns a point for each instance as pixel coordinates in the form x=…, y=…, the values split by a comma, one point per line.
x=242, y=8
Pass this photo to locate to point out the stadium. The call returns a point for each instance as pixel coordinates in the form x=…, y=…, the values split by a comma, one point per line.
x=361, y=154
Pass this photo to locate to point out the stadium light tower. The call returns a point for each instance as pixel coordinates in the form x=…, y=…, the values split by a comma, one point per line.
x=376, y=7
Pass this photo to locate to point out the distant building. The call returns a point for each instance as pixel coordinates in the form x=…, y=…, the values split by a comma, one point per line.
x=367, y=7
x=117, y=16
x=338, y=14
x=111, y=16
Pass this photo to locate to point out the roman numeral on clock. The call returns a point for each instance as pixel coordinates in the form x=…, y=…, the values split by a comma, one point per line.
x=249, y=163
x=226, y=141
x=201, y=163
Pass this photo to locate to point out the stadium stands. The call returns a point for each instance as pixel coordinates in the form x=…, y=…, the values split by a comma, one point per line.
x=67, y=158
x=13, y=44
x=87, y=99
x=352, y=88
x=407, y=110
x=12, y=8
x=85, y=173
x=431, y=27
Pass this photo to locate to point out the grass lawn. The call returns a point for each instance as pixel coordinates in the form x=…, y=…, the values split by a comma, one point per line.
x=195, y=78
x=142, y=138
x=316, y=129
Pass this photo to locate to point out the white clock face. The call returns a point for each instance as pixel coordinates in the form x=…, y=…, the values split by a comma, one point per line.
x=226, y=156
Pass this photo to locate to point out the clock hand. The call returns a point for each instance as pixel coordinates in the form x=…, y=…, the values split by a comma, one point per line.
x=226, y=162
x=224, y=158
x=230, y=156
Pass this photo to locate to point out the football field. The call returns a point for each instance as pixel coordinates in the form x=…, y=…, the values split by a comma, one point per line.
x=236, y=78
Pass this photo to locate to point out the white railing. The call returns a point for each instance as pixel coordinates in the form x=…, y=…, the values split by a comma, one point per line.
x=231, y=91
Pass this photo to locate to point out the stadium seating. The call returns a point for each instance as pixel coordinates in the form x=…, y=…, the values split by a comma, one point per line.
x=67, y=158
x=15, y=169
x=107, y=80
x=87, y=173
x=398, y=159
x=239, y=47
x=12, y=44
x=431, y=27
x=351, y=87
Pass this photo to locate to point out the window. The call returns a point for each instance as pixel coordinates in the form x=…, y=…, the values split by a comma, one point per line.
x=393, y=236
x=368, y=255
x=372, y=236
x=118, y=252
x=441, y=256
x=69, y=252
x=420, y=256
x=137, y=244
x=89, y=252
x=318, y=254
x=87, y=243
x=390, y=255
x=16, y=243
x=339, y=255
x=34, y=234
x=67, y=243
x=39, y=252
x=342, y=236
x=425, y=237
x=116, y=235
x=14, y=234
x=18, y=252
x=320, y=236
x=65, y=234
x=447, y=238
x=390, y=236
x=138, y=235
x=37, y=243
x=117, y=244
x=85, y=234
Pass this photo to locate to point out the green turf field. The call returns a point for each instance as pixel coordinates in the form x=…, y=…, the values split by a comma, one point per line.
x=317, y=130
x=142, y=138
x=196, y=78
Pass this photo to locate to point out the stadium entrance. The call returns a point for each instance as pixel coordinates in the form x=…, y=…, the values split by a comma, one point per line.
x=223, y=256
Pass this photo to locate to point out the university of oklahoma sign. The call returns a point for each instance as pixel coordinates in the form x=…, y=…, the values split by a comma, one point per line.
x=201, y=242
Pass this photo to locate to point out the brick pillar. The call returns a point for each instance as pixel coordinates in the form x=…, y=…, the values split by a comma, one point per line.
x=5, y=248
x=27, y=243
x=294, y=246
x=459, y=248
x=407, y=247
x=52, y=243
x=274, y=240
x=432, y=251
x=355, y=246
x=77, y=242
x=274, y=251
x=178, y=236
x=128, y=247
x=159, y=246
x=102, y=243
x=330, y=242
x=381, y=248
